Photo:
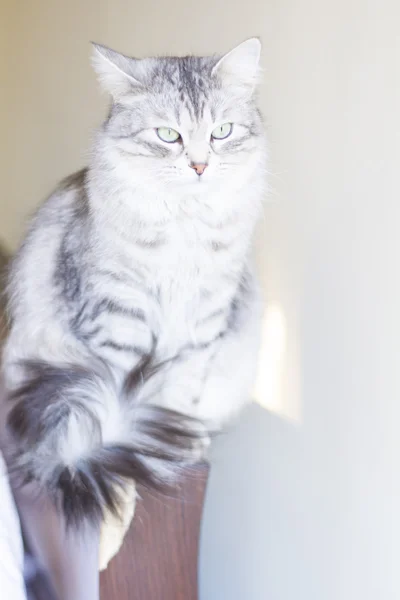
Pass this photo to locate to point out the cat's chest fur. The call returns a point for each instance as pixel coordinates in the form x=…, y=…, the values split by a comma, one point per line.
x=187, y=259
x=177, y=278
x=186, y=273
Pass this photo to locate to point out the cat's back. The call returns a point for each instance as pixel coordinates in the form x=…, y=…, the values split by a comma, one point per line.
x=32, y=270
x=68, y=200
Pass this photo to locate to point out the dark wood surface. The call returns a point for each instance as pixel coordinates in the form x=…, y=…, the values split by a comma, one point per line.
x=158, y=560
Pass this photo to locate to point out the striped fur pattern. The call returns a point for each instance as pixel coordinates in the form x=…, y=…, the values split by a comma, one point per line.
x=133, y=306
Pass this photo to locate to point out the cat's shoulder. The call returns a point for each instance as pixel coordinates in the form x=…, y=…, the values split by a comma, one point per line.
x=68, y=200
x=74, y=182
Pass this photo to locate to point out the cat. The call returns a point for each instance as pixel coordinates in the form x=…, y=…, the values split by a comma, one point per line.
x=134, y=308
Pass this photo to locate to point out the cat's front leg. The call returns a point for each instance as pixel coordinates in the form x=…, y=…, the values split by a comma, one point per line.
x=212, y=380
x=182, y=380
x=228, y=385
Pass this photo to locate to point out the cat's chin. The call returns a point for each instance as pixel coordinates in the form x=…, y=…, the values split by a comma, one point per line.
x=195, y=186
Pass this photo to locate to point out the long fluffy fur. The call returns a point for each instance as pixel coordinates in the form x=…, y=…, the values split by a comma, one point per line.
x=59, y=420
x=130, y=262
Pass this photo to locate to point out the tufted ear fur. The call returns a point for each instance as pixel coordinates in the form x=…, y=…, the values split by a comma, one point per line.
x=118, y=74
x=240, y=66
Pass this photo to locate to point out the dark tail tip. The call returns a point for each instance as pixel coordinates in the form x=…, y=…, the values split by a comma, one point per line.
x=160, y=443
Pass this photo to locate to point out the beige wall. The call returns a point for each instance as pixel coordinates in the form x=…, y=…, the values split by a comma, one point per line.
x=6, y=18
x=322, y=513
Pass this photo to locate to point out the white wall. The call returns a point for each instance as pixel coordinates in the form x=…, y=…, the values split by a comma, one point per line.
x=303, y=504
x=311, y=509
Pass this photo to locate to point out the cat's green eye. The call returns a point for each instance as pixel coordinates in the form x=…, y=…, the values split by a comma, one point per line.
x=166, y=134
x=222, y=131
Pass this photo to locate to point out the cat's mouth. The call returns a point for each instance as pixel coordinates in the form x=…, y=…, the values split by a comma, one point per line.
x=197, y=182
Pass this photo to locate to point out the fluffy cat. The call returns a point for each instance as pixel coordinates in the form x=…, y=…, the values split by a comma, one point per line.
x=134, y=309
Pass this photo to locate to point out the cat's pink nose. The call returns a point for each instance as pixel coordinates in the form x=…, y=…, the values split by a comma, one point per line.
x=199, y=167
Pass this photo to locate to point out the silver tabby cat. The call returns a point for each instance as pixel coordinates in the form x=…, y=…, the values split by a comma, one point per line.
x=134, y=310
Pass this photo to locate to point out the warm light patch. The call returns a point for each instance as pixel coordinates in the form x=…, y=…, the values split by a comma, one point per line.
x=276, y=386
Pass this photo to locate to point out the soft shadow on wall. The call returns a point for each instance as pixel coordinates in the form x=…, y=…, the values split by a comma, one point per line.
x=277, y=387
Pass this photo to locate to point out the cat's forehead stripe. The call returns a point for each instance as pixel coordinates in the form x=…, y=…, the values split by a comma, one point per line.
x=191, y=77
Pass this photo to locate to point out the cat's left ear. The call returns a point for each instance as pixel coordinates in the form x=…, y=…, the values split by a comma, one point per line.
x=118, y=74
x=241, y=66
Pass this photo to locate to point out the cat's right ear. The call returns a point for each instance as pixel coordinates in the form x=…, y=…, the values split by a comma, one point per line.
x=116, y=72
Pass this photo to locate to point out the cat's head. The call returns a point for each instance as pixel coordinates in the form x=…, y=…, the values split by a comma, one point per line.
x=188, y=125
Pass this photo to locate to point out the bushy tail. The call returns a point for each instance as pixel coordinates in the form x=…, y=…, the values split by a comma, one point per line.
x=80, y=435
